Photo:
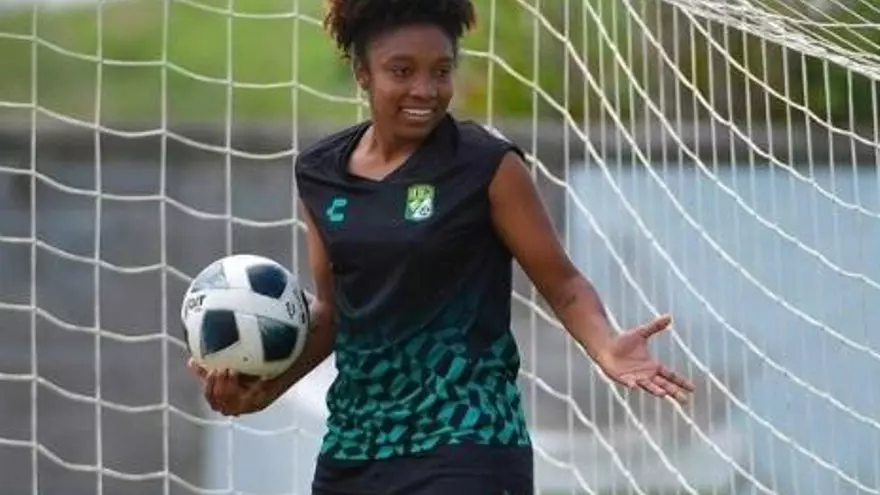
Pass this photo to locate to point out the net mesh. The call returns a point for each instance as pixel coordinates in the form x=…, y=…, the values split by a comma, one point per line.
x=714, y=159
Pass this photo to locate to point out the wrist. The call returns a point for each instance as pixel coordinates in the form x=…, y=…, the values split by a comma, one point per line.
x=579, y=308
x=595, y=335
x=278, y=385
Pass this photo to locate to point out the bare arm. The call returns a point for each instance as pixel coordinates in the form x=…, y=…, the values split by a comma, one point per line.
x=323, y=332
x=524, y=225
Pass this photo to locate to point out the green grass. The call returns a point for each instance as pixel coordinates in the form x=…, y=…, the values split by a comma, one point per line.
x=271, y=52
x=204, y=49
x=263, y=52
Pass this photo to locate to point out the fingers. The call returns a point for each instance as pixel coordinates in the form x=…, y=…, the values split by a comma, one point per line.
x=226, y=388
x=196, y=368
x=208, y=390
x=656, y=325
x=222, y=392
x=231, y=394
x=648, y=385
x=661, y=387
x=677, y=380
x=661, y=384
x=213, y=389
x=246, y=381
x=670, y=388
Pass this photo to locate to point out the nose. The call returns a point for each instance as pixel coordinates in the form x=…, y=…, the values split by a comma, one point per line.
x=424, y=87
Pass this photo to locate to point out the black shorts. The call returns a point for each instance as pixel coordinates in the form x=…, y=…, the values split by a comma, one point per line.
x=447, y=470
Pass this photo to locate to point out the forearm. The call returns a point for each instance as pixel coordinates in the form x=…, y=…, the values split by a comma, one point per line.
x=318, y=347
x=580, y=310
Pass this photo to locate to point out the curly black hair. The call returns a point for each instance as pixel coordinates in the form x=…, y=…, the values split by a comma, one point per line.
x=354, y=23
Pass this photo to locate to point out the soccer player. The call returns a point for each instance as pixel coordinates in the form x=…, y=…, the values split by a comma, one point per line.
x=414, y=219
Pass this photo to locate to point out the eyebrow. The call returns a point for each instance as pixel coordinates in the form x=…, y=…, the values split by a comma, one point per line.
x=407, y=58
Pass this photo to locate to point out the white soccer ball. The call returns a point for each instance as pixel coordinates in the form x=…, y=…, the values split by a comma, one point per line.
x=245, y=313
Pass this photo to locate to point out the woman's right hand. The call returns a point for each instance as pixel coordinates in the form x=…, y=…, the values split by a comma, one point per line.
x=233, y=395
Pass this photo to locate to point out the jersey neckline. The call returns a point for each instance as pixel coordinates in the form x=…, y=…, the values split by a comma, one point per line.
x=409, y=162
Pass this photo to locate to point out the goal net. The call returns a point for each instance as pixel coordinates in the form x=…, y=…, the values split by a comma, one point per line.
x=715, y=159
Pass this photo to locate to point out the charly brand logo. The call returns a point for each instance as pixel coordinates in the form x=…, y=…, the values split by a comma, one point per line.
x=336, y=211
x=419, y=202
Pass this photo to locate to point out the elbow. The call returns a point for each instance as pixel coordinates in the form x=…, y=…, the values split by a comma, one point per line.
x=322, y=318
x=319, y=309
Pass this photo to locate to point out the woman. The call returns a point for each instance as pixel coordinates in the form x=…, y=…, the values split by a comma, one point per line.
x=414, y=219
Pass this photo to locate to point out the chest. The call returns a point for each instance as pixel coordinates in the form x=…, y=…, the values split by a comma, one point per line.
x=375, y=224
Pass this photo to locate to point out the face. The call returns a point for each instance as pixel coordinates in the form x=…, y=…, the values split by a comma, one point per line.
x=408, y=76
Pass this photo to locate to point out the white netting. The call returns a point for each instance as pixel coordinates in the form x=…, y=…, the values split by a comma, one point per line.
x=715, y=159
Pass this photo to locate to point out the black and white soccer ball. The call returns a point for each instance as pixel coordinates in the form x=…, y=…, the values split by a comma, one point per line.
x=245, y=313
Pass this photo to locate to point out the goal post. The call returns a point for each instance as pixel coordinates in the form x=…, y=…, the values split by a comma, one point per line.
x=714, y=159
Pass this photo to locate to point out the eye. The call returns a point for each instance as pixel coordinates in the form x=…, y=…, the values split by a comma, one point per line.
x=400, y=71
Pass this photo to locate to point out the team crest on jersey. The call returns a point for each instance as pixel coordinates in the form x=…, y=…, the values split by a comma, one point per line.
x=419, y=202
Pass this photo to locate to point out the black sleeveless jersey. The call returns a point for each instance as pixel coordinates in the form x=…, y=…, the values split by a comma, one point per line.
x=422, y=286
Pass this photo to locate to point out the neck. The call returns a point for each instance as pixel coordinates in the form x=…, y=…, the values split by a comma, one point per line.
x=386, y=145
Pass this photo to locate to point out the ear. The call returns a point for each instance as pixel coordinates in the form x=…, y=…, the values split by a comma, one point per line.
x=361, y=74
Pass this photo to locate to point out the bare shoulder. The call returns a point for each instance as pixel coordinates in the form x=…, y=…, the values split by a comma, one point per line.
x=512, y=180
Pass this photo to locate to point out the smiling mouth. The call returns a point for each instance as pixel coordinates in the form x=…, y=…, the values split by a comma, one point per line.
x=418, y=114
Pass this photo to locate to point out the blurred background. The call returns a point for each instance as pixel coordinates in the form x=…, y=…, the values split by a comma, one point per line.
x=714, y=159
